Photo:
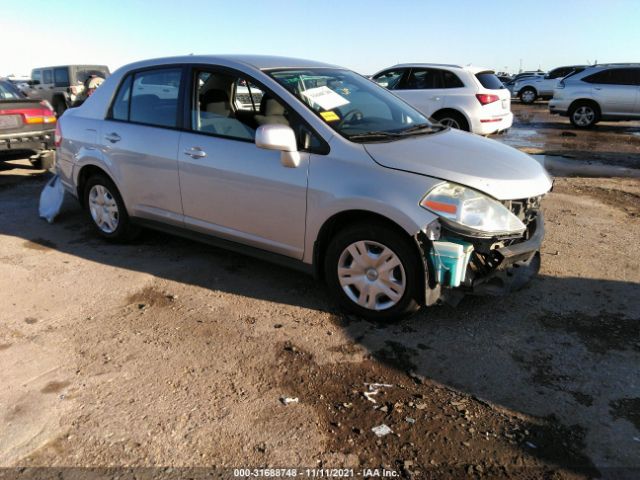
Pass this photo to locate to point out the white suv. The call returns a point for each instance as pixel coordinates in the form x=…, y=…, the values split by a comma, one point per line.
x=467, y=98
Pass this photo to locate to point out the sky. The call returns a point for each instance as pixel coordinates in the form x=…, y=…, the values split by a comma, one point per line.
x=365, y=36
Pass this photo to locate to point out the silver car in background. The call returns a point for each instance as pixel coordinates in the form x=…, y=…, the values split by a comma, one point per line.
x=529, y=89
x=308, y=165
x=602, y=92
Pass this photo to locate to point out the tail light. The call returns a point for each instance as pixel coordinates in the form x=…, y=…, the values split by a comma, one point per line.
x=487, y=98
x=32, y=116
x=57, y=136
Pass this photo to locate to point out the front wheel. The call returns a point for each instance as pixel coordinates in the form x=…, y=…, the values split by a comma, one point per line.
x=374, y=272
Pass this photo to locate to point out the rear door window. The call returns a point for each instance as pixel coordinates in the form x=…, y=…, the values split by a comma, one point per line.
x=489, y=80
x=61, y=76
x=424, y=79
x=451, y=80
x=613, y=76
x=154, y=97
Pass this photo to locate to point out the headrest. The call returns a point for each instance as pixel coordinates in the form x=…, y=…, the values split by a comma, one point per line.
x=273, y=107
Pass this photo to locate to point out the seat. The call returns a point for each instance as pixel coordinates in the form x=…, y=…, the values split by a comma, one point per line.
x=271, y=112
x=216, y=102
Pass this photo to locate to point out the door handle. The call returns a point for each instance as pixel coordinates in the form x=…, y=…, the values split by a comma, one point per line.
x=195, y=152
x=597, y=88
x=435, y=98
x=112, y=137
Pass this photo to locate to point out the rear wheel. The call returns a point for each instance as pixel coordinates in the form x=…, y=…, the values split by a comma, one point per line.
x=528, y=96
x=452, y=119
x=106, y=210
x=584, y=115
x=373, y=271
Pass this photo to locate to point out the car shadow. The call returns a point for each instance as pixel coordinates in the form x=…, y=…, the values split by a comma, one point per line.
x=562, y=349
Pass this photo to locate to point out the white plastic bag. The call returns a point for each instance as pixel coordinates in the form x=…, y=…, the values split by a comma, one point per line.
x=51, y=199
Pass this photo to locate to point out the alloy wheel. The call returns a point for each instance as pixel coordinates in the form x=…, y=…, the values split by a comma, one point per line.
x=528, y=96
x=103, y=208
x=584, y=116
x=450, y=122
x=371, y=275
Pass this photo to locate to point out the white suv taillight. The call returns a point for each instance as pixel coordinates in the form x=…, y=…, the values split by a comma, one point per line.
x=487, y=98
x=57, y=136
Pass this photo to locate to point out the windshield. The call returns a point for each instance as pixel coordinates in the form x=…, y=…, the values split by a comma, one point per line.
x=352, y=105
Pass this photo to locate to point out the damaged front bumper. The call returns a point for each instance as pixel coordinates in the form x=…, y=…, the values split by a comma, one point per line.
x=496, y=267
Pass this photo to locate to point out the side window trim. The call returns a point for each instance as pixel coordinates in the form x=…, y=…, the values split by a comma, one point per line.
x=192, y=69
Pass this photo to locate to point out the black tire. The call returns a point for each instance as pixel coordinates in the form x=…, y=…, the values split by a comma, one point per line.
x=125, y=231
x=401, y=245
x=452, y=119
x=580, y=117
x=528, y=95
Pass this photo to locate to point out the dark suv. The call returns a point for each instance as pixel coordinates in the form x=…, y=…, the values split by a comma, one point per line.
x=62, y=85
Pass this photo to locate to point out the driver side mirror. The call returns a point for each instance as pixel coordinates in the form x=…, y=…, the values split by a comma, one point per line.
x=281, y=138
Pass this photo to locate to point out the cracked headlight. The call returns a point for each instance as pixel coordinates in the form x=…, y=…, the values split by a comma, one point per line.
x=471, y=211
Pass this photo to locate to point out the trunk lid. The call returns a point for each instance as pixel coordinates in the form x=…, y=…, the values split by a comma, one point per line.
x=13, y=120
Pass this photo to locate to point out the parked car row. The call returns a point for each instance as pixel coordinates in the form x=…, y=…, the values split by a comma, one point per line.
x=586, y=94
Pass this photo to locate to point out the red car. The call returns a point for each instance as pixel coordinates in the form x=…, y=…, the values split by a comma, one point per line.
x=26, y=125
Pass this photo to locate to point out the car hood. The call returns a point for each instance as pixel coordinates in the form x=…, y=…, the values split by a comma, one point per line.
x=482, y=164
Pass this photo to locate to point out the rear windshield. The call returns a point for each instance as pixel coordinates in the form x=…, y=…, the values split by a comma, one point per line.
x=489, y=80
x=9, y=92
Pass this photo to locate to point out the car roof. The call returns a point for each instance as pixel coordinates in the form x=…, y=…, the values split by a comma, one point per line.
x=470, y=68
x=611, y=65
x=261, y=62
x=71, y=65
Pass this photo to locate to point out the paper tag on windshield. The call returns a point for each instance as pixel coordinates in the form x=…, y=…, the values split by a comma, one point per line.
x=326, y=98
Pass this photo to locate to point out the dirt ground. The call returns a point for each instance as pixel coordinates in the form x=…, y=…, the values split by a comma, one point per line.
x=172, y=353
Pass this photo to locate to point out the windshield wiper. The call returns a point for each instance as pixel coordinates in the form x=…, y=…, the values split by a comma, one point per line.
x=374, y=135
x=420, y=129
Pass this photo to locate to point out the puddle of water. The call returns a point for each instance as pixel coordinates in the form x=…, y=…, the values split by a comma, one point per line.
x=561, y=166
x=521, y=137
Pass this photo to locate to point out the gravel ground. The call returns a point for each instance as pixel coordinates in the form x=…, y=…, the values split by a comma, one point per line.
x=172, y=353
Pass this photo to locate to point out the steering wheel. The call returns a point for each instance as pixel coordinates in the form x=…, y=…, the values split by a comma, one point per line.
x=349, y=114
